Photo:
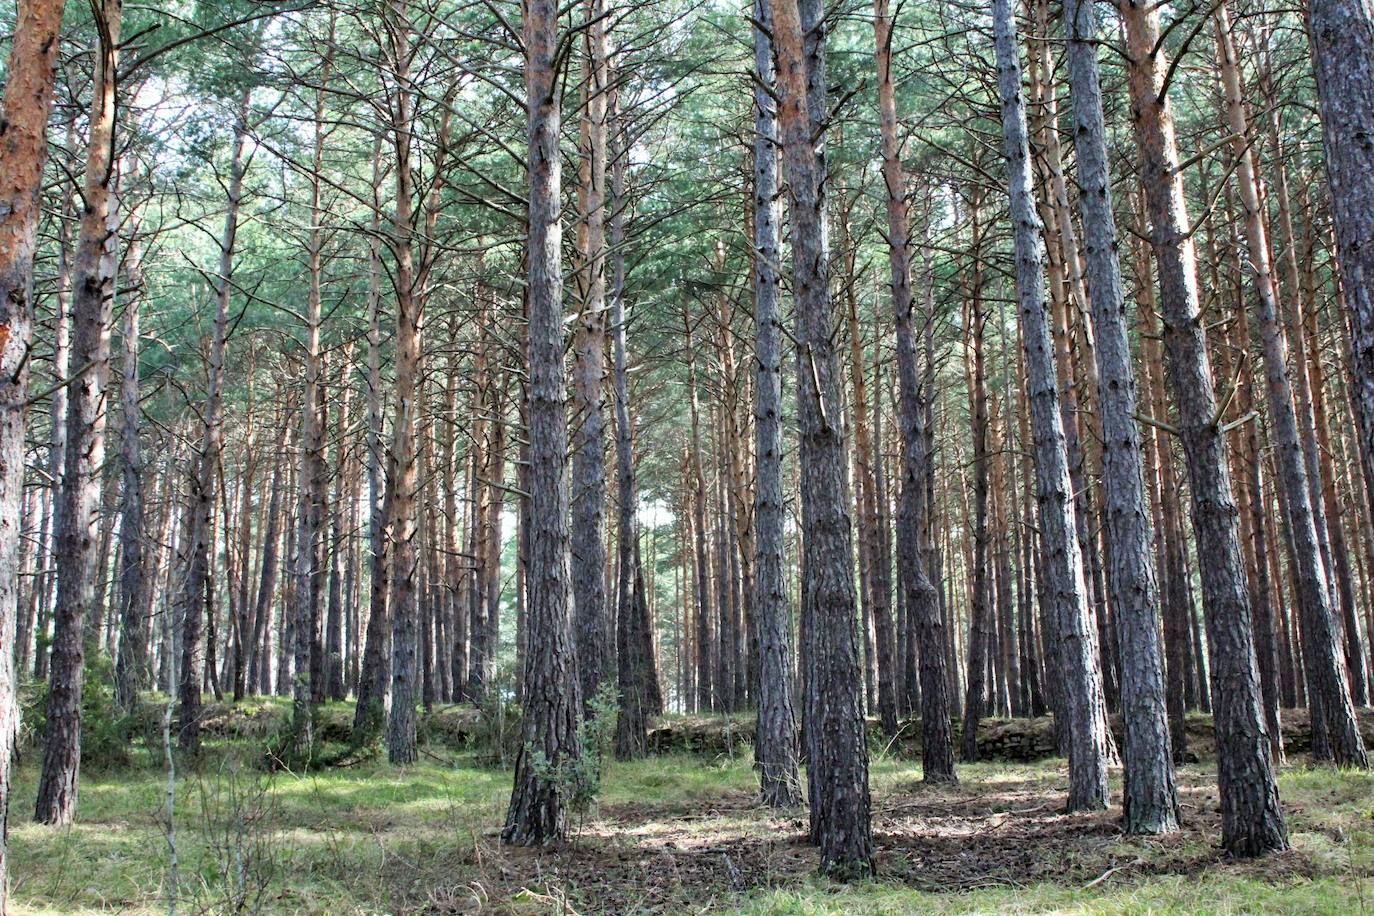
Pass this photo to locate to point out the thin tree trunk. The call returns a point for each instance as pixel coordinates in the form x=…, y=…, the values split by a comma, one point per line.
x=775, y=747
x=589, y=369
x=135, y=595
x=202, y=497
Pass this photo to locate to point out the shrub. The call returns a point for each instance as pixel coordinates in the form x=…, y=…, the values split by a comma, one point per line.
x=107, y=731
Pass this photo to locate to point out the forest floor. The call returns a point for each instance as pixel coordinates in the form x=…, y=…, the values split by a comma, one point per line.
x=679, y=833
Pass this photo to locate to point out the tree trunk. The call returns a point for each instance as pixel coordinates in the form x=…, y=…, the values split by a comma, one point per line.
x=1342, y=36
x=775, y=747
x=838, y=753
x=201, y=504
x=1064, y=568
x=1252, y=823
x=403, y=480
x=374, y=678
x=927, y=637
x=1150, y=799
x=551, y=704
x=313, y=473
x=589, y=369
x=135, y=594
x=77, y=534
x=1323, y=657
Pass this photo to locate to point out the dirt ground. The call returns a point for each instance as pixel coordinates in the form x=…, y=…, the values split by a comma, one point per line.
x=696, y=855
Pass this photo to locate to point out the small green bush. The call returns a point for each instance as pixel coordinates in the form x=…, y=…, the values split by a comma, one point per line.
x=107, y=732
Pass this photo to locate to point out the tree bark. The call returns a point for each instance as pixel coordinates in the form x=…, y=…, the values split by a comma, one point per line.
x=838, y=754
x=551, y=704
x=1252, y=822
x=1064, y=567
x=1342, y=36
x=1150, y=798
x=201, y=503
x=403, y=481
x=1323, y=657
x=927, y=636
x=135, y=595
x=589, y=370
x=775, y=747
x=77, y=534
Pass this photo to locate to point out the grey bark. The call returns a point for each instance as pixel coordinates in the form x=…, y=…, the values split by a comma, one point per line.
x=837, y=755
x=1150, y=797
x=775, y=748
x=589, y=369
x=1252, y=822
x=77, y=534
x=1322, y=656
x=550, y=700
x=1063, y=570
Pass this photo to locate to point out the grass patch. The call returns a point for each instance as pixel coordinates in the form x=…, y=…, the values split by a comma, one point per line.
x=671, y=833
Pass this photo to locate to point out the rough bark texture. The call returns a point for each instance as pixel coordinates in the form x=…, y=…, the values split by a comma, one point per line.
x=77, y=533
x=775, y=748
x=374, y=678
x=1342, y=35
x=405, y=472
x=927, y=637
x=837, y=754
x=1150, y=798
x=636, y=667
x=1323, y=658
x=1252, y=822
x=1063, y=571
x=135, y=558
x=551, y=704
x=589, y=369
x=310, y=510
x=981, y=620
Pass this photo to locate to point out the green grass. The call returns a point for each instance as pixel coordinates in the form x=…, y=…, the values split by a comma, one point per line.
x=669, y=834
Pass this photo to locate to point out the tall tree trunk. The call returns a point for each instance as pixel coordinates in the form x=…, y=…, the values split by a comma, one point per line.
x=403, y=480
x=636, y=668
x=1150, y=798
x=705, y=630
x=1252, y=823
x=927, y=637
x=374, y=676
x=313, y=473
x=135, y=562
x=551, y=704
x=1064, y=568
x=201, y=504
x=589, y=369
x=838, y=753
x=1342, y=36
x=260, y=661
x=775, y=747
x=1323, y=657
x=77, y=535
x=982, y=622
